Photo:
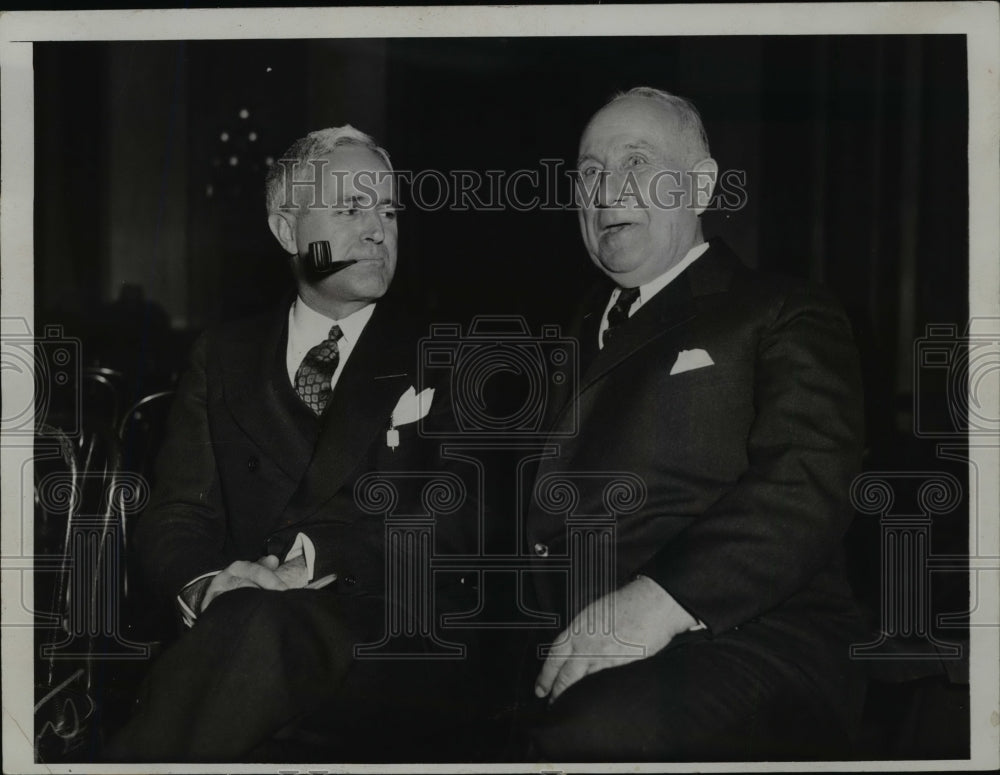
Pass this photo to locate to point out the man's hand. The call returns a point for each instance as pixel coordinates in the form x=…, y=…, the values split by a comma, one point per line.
x=261, y=574
x=644, y=614
x=293, y=572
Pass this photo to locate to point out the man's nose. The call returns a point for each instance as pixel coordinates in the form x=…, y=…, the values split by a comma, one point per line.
x=610, y=189
x=373, y=230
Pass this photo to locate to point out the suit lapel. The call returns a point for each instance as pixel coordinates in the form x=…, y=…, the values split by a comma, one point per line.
x=376, y=375
x=668, y=309
x=590, y=325
x=671, y=307
x=248, y=366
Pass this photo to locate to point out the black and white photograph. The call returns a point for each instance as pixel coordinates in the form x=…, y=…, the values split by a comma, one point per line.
x=501, y=389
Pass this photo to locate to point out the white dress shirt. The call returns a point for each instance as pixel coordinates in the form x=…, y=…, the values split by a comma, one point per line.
x=307, y=328
x=650, y=289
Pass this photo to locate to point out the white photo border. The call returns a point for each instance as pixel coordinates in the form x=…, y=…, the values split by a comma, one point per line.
x=977, y=21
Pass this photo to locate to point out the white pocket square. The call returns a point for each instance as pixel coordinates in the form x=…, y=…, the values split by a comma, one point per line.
x=688, y=360
x=412, y=406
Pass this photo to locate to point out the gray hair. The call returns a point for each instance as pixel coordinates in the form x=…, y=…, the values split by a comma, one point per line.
x=688, y=117
x=313, y=146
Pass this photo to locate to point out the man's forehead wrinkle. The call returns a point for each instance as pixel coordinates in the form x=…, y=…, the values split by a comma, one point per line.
x=367, y=175
x=621, y=117
x=642, y=145
x=620, y=144
x=358, y=180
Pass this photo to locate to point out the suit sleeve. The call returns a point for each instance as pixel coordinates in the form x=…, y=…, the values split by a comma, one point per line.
x=180, y=535
x=785, y=517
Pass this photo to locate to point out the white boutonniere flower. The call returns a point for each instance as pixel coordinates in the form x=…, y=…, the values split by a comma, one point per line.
x=412, y=406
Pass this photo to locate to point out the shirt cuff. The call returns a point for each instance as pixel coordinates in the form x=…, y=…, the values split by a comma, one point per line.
x=698, y=623
x=303, y=547
x=191, y=595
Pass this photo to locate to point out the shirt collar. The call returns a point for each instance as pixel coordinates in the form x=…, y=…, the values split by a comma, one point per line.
x=310, y=326
x=648, y=290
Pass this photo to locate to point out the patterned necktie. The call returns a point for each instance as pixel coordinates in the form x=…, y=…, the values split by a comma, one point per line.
x=618, y=313
x=312, y=380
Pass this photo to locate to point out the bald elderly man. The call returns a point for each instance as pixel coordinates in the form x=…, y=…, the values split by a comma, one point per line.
x=736, y=399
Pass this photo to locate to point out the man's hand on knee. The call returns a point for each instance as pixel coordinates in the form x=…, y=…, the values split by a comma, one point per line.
x=242, y=573
x=294, y=573
x=641, y=613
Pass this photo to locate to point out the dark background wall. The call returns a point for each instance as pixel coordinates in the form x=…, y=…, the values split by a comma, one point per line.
x=854, y=150
x=150, y=157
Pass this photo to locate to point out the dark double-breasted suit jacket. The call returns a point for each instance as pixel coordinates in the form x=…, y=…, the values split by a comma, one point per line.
x=244, y=469
x=745, y=464
x=246, y=466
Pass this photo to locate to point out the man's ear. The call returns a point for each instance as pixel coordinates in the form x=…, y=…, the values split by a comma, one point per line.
x=704, y=175
x=283, y=228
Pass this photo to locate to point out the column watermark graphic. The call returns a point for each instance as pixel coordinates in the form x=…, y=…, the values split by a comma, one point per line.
x=591, y=548
x=956, y=380
x=906, y=557
x=958, y=368
x=522, y=435
x=89, y=591
x=410, y=630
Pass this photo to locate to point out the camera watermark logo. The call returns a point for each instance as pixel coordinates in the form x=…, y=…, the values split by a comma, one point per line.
x=541, y=372
x=956, y=403
x=42, y=377
x=962, y=368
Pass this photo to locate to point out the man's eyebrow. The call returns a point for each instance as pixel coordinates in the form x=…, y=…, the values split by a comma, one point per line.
x=364, y=200
x=387, y=201
x=637, y=145
x=346, y=201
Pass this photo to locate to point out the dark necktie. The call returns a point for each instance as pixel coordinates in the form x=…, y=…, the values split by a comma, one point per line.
x=618, y=313
x=312, y=380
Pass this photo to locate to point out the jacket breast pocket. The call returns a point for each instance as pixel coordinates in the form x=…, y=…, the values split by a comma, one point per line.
x=707, y=414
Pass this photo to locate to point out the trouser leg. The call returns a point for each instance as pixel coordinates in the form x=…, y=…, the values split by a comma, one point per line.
x=702, y=701
x=254, y=661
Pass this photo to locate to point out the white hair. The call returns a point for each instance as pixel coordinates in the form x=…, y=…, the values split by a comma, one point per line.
x=306, y=149
x=688, y=119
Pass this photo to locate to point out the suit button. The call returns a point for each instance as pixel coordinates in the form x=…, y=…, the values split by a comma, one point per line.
x=541, y=550
x=252, y=463
x=350, y=580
